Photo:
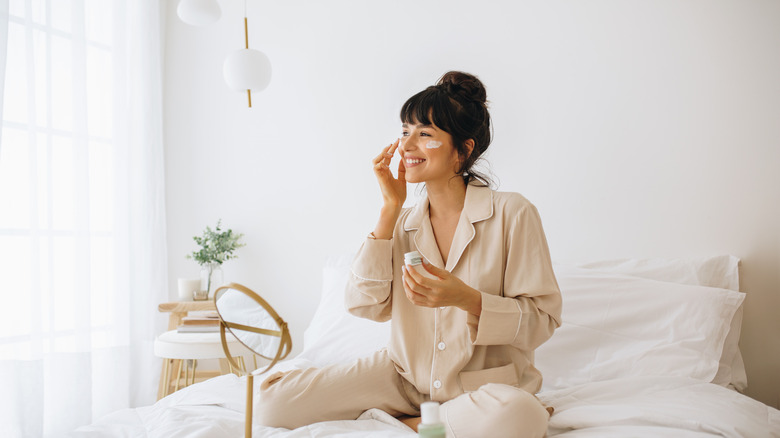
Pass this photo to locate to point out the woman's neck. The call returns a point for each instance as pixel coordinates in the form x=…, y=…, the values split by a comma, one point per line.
x=446, y=199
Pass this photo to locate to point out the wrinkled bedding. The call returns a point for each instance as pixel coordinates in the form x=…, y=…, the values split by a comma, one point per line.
x=635, y=407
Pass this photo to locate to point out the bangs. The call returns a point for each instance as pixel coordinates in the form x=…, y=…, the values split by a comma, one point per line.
x=430, y=106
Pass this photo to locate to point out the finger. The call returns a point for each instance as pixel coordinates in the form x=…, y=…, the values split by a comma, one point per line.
x=416, y=298
x=441, y=273
x=395, y=146
x=412, y=274
x=382, y=155
x=420, y=279
x=379, y=167
x=419, y=282
x=409, y=280
x=401, y=171
x=380, y=161
x=390, y=152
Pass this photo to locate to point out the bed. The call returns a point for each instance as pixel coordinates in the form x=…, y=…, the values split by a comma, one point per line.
x=648, y=348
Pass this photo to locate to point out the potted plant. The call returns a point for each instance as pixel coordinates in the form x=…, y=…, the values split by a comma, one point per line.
x=216, y=246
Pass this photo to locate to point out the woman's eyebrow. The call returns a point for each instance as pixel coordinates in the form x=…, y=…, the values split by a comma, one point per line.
x=406, y=125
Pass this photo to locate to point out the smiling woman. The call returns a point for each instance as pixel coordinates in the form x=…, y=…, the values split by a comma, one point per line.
x=456, y=109
x=458, y=336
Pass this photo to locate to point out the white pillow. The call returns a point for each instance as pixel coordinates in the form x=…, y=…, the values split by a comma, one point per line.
x=618, y=326
x=717, y=271
x=334, y=335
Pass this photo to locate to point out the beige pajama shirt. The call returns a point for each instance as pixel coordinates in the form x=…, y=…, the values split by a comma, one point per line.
x=479, y=368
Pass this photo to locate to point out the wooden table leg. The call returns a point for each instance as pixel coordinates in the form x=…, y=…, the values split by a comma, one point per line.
x=163, y=387
x=175, y=319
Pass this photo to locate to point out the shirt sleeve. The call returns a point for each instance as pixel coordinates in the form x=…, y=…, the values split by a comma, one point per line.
x=368, y=292
x=529, y=310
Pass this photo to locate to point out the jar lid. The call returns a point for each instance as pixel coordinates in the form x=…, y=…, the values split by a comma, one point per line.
x=412, y=258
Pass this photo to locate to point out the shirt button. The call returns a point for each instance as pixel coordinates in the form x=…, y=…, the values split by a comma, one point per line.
x=437, y=384
x=441, y=346
x=443, y=307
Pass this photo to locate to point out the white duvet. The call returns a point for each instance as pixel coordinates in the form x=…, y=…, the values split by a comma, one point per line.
x=635, y=407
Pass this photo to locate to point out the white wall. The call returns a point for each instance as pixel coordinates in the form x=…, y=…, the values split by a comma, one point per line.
x=637, y=128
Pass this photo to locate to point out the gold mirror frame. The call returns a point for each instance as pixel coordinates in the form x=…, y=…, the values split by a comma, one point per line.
x=285, y=343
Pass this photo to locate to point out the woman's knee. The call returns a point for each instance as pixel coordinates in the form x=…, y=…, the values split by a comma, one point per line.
x=497, y=410
x=271, y=403
x=520, y=410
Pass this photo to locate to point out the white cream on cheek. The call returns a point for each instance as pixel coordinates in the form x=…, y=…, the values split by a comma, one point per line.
x=433, y=144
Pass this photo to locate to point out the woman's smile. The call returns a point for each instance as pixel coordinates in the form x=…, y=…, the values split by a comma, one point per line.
x=412, y=161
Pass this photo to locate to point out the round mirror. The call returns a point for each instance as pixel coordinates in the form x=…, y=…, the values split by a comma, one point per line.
x=253, y=322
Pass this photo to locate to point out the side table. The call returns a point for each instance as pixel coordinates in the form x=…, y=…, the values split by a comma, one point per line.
x=178, y=310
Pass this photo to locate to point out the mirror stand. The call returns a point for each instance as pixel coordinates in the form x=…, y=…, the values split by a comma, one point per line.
x=255, y=324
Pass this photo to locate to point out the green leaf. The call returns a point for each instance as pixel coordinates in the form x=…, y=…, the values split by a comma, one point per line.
x=216, y=246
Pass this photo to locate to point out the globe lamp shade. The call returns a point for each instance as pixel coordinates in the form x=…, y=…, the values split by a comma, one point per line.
x=247, y=69
x=199, y=12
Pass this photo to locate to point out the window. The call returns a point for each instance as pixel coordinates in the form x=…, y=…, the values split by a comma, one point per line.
x=82, y=236
x=56, y=161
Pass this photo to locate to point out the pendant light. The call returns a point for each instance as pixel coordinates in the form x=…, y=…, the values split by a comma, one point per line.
x=199, y=12
x=247, y=69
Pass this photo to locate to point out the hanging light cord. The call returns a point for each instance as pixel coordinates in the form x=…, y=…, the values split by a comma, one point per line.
x=246, y=42
x=246, y=27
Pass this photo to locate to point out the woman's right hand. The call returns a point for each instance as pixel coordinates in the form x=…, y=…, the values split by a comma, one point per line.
x=393, y=189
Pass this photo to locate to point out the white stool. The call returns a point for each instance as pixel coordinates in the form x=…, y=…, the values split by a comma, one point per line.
x=173, y=346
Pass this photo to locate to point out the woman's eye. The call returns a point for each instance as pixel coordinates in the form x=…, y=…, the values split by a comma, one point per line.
x=425, y=134
x=405, y=134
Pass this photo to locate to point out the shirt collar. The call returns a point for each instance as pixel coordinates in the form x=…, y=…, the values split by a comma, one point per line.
x=477, y=206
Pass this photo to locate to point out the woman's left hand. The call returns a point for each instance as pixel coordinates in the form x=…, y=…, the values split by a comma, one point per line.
x=445, y=290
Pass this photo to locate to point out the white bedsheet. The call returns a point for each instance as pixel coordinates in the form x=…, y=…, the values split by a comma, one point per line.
x=215, y=409
x=658, y=406
x=636, y=407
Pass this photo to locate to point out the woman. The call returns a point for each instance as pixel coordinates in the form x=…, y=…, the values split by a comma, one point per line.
x=466, y=337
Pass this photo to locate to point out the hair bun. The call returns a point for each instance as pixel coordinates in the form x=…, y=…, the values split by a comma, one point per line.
x=464, y=85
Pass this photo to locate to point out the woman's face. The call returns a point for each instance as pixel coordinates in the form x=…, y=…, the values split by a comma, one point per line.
x=427, y=153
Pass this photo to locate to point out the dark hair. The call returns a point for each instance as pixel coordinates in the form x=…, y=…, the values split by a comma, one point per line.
x=457, y=104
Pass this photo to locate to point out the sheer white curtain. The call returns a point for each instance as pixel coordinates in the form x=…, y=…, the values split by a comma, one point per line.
x=82, y=237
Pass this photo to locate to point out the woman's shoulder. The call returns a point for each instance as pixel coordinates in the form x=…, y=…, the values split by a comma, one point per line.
x=511, y=202
x=516, y=210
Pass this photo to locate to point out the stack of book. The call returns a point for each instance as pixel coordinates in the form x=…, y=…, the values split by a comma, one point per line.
x=206, y=322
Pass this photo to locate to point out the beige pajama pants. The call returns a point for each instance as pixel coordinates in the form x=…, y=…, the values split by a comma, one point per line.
x=342, y=392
